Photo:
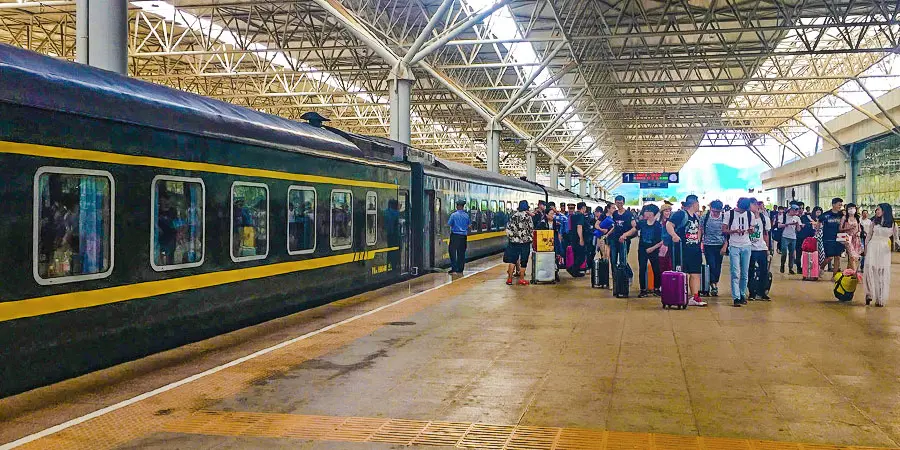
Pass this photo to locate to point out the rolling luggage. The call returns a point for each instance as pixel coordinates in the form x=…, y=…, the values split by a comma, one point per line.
x=570, y=256
x=704, y=280
x=621, y=281
x=600, y=273
x=845, y=284
x=675, y=288
x=543, y=267
x=809, y=264
x=542, y=241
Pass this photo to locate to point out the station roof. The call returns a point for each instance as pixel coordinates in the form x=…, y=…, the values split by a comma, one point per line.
x=602, y=86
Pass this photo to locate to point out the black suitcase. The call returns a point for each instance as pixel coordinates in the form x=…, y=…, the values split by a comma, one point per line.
x=620, y=282
x=600, y=273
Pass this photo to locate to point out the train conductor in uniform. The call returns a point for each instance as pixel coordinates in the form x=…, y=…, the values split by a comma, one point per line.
x=459, y=230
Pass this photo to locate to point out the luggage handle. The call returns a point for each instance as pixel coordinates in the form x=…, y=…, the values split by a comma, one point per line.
x=680, y=266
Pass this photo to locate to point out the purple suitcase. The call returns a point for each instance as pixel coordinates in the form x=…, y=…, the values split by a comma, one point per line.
x=674, y=290
x=674, y=287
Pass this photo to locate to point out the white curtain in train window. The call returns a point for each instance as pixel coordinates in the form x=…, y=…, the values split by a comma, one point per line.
x=74, y=225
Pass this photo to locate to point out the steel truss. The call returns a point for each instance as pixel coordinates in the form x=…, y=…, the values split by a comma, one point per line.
x=626, y=85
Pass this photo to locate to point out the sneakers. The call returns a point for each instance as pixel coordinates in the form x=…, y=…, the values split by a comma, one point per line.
x=791, y=271
x=523, y=282
x=765, y=298
x=738, y=303
x=752, y=298
x=643, y=294
x=509, y=282
x=696, y=301
x=743, y=300
x=782, y=269
x=657, y=292
x=714, y=291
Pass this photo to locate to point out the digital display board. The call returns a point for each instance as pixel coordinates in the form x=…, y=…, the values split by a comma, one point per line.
x=650, y=177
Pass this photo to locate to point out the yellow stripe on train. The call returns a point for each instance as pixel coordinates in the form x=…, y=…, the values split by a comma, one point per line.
x=85, y=299
x=478, y=237
x=148, y=161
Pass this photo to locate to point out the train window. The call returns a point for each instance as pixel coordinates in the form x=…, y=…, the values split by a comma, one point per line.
x=495, y=217
x=249, y=221
x=73, y=225
x=474, y=216
x=301, y=237
x=341, y=219
x=177, y=209
x=371, y=218
x=485, y=216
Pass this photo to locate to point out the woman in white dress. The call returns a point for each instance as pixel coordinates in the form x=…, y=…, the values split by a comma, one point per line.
x=878, y=255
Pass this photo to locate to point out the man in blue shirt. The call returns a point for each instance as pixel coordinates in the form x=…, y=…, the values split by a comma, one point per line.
x=459, y=230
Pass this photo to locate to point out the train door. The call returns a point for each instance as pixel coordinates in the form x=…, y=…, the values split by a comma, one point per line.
x=428, y=245
x=438, y=246
x=403, y=200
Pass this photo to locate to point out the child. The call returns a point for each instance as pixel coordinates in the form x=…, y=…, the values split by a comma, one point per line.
x=602, y=229
x=648, y=251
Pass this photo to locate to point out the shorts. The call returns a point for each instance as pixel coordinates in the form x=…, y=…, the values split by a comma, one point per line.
x=516, y=252
x=693, y=260
x=833, y=248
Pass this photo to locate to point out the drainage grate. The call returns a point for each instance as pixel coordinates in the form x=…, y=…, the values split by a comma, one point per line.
x=456, y=434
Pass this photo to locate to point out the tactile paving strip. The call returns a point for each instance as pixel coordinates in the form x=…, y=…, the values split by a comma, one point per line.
x=460, y=435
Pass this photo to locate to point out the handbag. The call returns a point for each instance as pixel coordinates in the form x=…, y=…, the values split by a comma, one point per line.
x=843, y=237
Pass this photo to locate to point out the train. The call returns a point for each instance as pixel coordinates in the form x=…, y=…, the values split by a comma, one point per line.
x=138, y=218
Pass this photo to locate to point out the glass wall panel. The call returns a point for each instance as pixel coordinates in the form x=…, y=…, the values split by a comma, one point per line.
x=831, y=189
x=878, y=173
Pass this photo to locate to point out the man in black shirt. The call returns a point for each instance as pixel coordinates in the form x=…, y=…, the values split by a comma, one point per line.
x=830, y=221
x=576, y=238
x=624, y=226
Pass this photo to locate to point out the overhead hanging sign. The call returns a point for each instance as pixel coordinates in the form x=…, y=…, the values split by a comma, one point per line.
x=650, y=177
x=654, y=185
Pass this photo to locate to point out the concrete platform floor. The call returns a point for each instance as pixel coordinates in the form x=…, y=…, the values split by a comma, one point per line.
x=480, y=364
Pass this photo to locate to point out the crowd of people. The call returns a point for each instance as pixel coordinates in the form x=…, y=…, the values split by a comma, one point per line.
x=696, y=240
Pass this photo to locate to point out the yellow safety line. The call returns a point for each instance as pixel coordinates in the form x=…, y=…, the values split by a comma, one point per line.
x=64, y=302
x=464, y=434
x=147, y=161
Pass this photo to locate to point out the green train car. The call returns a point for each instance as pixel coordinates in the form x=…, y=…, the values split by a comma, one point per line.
x=138, y=218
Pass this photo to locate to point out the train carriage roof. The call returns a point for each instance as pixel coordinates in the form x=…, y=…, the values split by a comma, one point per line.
x=31, y=79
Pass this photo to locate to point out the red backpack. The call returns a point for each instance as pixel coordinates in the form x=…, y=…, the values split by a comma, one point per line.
x=810, y=245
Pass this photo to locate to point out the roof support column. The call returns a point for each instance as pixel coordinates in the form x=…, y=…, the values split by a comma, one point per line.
x=400, y=81
x=107, y=22
x=568, y=180
x=531, y=162
x=582, y=187
x=493, y=146
x=554, y=175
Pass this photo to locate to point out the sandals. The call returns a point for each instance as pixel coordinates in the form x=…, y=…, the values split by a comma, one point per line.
x=509, y=282
x=523, y=282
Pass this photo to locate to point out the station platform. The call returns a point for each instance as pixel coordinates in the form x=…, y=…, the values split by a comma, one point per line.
x=469, y=362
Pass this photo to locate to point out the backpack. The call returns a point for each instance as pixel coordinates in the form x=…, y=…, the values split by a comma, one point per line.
x=749, y=218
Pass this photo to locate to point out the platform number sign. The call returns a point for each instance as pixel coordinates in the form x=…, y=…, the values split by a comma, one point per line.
x=650, y=177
